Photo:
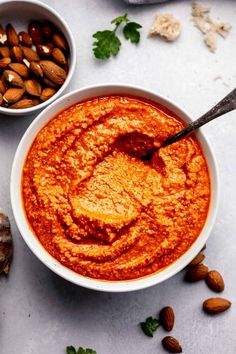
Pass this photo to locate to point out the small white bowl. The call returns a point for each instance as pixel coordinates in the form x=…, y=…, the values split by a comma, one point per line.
x=31, y=239
x=19, y=13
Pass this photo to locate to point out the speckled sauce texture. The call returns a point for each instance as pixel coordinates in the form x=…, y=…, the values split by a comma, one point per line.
x=102, y=201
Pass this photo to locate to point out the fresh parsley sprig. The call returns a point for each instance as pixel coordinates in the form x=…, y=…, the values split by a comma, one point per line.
x=150, y=326
x=107, y=42
x=72, y=350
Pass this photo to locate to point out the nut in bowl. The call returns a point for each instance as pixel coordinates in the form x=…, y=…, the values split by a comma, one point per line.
x=37, y=56
x=107, y=217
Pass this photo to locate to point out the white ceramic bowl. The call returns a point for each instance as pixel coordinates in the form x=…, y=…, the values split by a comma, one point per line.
x=31, y=239
x=19, y=13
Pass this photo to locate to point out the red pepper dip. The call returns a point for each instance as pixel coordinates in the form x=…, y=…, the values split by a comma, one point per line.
x=103, y=200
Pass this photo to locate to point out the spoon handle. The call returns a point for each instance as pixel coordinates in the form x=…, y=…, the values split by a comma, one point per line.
x=227, y=104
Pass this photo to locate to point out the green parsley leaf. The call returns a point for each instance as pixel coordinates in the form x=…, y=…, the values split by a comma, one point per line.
x=107, y=44
x=90, y=351
x=131, y=32
x=150, y=326
x=70, y=350
x=118, y=20
x=86, y=351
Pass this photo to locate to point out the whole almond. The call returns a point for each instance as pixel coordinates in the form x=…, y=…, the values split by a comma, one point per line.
x=47, y=93
x=17, y=54
x=53, y=72
x=24, y=103
x=167, y=318
x=34, y=30
x=58, y=56
x=171, y=344
x=216, y=305
x=30, y=54
x=33, y=87
x=25, y=39
x=20, y=69
x=12, y=78
x=13, y=95
x=44, y=50
x=3, y=87
x=4, y=62
x=196, y=260
x=36, y=69
x=4, y=52
x=1, y=99
x=47, y=30
x=215, y=281
x=59, y=41
x=196, y=273
x=12, y=38
x=3, y=36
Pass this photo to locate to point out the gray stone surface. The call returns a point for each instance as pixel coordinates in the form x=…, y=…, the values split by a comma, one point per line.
x=40, y=312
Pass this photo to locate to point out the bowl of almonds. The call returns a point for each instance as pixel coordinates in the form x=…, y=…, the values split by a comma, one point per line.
x=37, y=56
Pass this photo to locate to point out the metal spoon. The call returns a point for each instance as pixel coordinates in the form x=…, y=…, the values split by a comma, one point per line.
x=227, y=104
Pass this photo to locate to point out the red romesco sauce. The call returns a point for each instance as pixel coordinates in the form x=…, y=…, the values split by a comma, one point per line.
x=99, y=205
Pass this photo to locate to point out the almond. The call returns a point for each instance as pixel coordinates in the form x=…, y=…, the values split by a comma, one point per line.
x=47, y=93
x=17, y=54
x=25, y=39
x=216, y=305
x=196, y=273
x=36, y=69
x=58, y=56
x=171, y=344
x=1, y=99
x=33, y=87
x=20, y=69
x=35, y=32
x=3, y=36
x=196, y=260
x=30, y=54
x=5, y=52
x=13, y=95
x=44, y=50
x=13, y=78
x=3, y=87
x=47, y=30
x=12, y=38
x=24, y=103
x=4, y=62
x=167, y=318
x=53, y=72
x=49, y=83
x=59, y=41
x=215, y=281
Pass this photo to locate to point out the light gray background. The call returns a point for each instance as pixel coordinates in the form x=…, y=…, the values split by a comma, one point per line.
x=40, y=312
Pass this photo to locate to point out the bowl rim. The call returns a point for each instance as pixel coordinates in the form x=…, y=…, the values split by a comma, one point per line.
x=37, y=248
x=71, y=43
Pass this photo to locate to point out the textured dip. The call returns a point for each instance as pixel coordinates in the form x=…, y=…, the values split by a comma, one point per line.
x=102, y=201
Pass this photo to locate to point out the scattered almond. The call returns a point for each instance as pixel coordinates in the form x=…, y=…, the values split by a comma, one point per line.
x=196, y=260
x=47, y=93
x=30, y=54
x=53, y=72
x=17, y=54
x=196, y=273
x=13, y=95
x=171, y=344
x=58, y=56
x=12, y=78
x=33, y=87
x=167, y=318
x=216, y=305
x=12, y=38
x=4, y=52
x=20, y=69
x=36, y=69
x=4, y=62
x=25, y=39
x=215, y=281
